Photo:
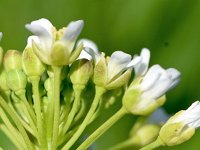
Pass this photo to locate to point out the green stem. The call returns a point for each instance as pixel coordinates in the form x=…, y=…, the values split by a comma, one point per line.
x=102, y=129
x=22, y=95
x=77, y=89
x=37, y=104
x=123, y=145
x=17, y=123
x=157, y=143
x=12, y=132
x=57, y=78
x=49, y=118
x=99, y=92
x=24, y=123
x=25, y=109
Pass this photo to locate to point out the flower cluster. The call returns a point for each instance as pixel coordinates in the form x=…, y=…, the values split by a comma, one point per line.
x=57, y=86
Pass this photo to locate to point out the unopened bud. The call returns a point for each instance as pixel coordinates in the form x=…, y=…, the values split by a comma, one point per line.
x=16, y=79
x=31, y=64
x=81, y=71
x=12, y=60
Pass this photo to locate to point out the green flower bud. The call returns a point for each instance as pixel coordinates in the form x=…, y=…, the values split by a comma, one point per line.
x=16, y=80
x=80, y=72
x=3, y=85
x=32, y=66
x=100, y=72
x=134, y=103
x=145, y=135
x=181, y=127
x=12, y=60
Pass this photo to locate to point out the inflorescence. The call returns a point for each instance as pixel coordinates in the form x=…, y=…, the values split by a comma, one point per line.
x=58, y=86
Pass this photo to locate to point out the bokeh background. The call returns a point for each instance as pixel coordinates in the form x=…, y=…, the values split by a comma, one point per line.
x=169, y=28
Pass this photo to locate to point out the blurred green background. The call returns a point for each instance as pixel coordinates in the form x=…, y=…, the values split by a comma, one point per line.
x=169, y=28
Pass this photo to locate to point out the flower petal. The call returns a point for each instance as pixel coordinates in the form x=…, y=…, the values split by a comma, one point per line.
x=1, y=34
x=95, y=55
x=151, y=77
x=43, y=29
x=174, y=75
x=117, y=63
x=134, y=61
x=31, y=39
x=87, y=44
x=141, y=68
x=191, y=116
x=71, y=33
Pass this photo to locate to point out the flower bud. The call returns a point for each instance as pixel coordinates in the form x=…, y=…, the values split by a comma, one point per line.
x=12, y=60
x=81, y=71
x=145, y=134
x=181, y=127
x=16, y=79
x=32, y=66
x=3, y=85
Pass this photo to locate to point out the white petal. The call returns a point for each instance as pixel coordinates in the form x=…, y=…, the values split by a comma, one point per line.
x=191, y=116
x=142, y=67
x=151, y=77
x=117, y=63
x=31, y=39
x=193, y=106
x=88, y=43
x=174, y=75
x=94, y=55
x=43, y=29
x=1, y=34
x=134, y=61
x=85, y=55
x=72, y=32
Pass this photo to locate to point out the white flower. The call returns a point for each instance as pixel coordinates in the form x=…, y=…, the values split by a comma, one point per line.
x=55, y=47
x=87, y=44
x=147, y=93
x=157, y=81
x=141, y=68
x=191, y=116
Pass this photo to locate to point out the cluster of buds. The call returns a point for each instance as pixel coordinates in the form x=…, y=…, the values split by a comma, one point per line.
x=57, y=86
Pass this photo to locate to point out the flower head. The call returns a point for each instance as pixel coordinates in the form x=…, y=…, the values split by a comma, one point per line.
x=113, y=71
x=181, y=127
x=148, y=92
x=55, y=47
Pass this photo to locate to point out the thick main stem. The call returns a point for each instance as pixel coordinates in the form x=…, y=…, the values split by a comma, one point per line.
x=37, y=104
x=99, y=92
x=102, y=129
x=56, y=94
